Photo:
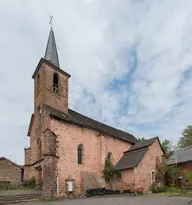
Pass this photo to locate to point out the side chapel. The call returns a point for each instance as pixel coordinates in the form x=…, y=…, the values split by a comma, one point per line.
x=66, y=145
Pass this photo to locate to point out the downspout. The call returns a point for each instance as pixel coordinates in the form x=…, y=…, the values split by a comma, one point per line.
x=57, y=186
x=134, y=180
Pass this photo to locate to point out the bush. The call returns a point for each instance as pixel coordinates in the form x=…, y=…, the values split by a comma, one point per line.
x=29, y=183
x=108, y=170
x=157, y=188
x=5, y=185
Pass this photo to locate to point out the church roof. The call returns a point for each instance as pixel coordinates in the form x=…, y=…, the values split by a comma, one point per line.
x=51, y=50
x=79, y=119
x=130, y=159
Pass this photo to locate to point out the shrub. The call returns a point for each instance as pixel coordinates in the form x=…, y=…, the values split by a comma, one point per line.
x=188, y=177
x=5, y=185
x=29, y=183
x=108, y=171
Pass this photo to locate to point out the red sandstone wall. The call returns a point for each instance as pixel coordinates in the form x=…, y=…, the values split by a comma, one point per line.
x=96, y=146
x=146, y=166
x=186, y=167
x=58, y=100
x=127, y=176
x=126, y=182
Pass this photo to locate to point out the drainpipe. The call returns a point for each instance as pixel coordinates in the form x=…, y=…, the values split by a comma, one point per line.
x=57, y=185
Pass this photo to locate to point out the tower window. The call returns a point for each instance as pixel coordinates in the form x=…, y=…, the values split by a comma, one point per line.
x=38, y=81
x=55, y=82
x=80, y=154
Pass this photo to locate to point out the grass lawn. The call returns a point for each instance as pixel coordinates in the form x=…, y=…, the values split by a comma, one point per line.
x=172, y=191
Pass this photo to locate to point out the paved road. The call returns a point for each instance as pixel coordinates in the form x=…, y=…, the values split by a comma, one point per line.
x=138, y=200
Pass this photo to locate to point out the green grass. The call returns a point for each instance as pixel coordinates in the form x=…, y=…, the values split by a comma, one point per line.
x=173, y=191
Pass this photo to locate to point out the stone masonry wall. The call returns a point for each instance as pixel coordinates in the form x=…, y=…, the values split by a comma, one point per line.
x=49, y=177
x=96, y=146
x=58, y=100
x=27, y=156
x=10, y=172
x=143, y=172
x=185, y=167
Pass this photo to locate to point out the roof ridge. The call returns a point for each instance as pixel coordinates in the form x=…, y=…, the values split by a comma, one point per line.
x=4, y=158
x=136, y=150
x=82, y=120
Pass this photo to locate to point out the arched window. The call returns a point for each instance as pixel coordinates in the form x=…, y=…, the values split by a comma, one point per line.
x=153, y=176
x=38, y=82
x=109, y=156
x=55, y=82
x=157, y=162
x=80, y=154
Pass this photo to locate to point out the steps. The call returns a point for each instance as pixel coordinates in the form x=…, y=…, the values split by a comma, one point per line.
x=18, y=198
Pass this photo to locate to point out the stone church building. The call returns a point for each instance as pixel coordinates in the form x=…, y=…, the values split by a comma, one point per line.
x=66, y=146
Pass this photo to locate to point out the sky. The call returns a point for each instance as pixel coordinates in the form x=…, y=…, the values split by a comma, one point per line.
x=130, y=63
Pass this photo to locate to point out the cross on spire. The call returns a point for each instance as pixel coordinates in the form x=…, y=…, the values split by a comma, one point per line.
x=51, y=49
x=50, y=22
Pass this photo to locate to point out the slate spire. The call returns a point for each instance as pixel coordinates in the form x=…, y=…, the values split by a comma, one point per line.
x=51, y=50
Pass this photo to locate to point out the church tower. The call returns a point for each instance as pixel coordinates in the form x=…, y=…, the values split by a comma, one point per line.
x=50, y=82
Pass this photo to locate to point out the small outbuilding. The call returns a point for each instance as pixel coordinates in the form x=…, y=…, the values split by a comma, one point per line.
x=10, y=172
x=183, y=159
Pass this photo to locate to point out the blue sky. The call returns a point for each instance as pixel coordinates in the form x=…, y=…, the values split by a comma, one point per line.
x=130, y=63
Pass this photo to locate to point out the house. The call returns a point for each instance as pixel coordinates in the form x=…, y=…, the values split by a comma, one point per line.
x=183, y=159
x=10, y=172
x=68, y=150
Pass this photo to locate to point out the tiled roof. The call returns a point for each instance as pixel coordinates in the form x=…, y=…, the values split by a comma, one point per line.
x=79, y=119
x=142, y=144
x=130, y=159
x=135, y=154
x=180, y=156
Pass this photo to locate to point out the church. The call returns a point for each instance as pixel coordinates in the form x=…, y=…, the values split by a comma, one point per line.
x=68, y=150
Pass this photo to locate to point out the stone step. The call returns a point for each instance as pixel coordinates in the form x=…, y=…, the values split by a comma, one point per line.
x=18, y=198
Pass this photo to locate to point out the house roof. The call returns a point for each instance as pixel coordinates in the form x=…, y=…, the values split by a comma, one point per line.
x=13, y=163
x=143, y=144
x=131, y=159
x=79, y=119
x=180, y=156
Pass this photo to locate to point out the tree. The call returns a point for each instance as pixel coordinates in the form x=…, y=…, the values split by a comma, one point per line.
x=141, y=139
x=186, y=139
x=169, y=173
x=166, y=145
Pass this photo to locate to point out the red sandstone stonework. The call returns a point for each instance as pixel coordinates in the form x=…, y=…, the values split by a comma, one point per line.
x=52, y=156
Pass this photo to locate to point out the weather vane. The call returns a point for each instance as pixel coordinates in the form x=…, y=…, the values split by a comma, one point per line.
x=50, y=22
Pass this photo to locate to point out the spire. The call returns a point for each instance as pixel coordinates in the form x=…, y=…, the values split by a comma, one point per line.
x=51, y=50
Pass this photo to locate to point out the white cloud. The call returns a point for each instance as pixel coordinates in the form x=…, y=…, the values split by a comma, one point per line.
x=97, y=41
